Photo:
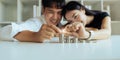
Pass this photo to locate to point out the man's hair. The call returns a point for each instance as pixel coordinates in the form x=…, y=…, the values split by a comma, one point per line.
x=53, y=3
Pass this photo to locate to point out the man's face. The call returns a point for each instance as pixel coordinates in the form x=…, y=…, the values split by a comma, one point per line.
x=52, y=15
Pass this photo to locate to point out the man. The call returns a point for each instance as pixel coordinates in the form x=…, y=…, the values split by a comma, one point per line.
x=40, y=28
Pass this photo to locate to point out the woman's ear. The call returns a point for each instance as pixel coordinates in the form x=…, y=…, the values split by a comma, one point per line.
x=82, y=10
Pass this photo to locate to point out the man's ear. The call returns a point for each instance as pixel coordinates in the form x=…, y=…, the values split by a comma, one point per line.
x=42, y=10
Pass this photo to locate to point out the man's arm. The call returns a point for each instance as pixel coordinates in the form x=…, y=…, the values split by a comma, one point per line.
x=46, y=32
x=26, y=36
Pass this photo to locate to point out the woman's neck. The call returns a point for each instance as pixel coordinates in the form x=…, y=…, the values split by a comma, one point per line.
x=89, y=19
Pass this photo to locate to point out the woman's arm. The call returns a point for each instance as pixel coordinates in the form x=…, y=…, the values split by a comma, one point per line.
x=82, y=32
x=105, y=31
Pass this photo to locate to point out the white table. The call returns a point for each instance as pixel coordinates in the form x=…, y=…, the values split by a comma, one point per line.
x=102, y=50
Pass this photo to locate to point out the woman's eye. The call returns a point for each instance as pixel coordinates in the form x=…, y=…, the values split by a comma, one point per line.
x=75, y=17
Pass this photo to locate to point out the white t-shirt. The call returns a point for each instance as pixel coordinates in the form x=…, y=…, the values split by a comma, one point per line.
x=32, y=24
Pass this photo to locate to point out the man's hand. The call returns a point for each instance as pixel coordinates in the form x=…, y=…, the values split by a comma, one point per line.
x=47, y=32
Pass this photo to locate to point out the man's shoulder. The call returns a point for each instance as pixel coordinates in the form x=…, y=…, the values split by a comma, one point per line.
x=35, y=19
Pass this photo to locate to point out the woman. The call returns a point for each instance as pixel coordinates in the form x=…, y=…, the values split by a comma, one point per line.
x=85, y=23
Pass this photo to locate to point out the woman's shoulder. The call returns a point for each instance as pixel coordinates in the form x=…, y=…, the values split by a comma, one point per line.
x=100, y=13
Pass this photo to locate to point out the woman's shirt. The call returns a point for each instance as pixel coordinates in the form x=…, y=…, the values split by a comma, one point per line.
x=98, y=18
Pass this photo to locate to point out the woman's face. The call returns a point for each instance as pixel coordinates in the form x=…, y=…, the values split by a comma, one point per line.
x=76, y=16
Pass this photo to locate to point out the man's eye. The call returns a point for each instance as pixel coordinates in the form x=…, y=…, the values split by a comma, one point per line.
x=50, y=12
x=69, y=21
x=59, y=12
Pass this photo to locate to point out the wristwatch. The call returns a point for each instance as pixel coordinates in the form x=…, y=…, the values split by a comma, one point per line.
x=91, y=34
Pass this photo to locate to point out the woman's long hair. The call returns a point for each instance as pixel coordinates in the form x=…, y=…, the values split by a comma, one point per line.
x=74, y=5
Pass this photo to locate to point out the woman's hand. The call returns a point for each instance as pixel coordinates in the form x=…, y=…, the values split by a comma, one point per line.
x=77, y=29
x=81, y=32
x=73, y=27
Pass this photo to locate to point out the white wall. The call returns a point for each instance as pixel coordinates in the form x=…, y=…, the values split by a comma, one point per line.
x=1, y=11
x=19, y=11
x=115, y=28
x=10, y=13
x=27, y=12
x=115, y=11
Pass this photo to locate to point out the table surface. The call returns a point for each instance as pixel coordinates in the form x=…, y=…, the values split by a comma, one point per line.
x=101, y=49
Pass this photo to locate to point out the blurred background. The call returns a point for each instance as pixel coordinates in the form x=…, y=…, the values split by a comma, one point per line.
x=21, y=10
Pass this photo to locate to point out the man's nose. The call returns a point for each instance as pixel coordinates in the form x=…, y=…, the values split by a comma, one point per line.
x=55, y=16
